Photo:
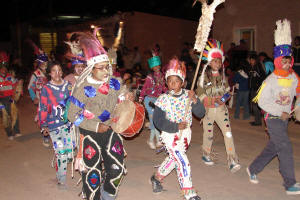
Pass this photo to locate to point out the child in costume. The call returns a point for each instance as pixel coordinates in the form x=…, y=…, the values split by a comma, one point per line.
x=53, y=120
x=94, y=98
x=275, y=97
x=212, y=86
x=8, y=96
x=171, y=118
x=77, y=60
x=37, y=80
x=154, y=86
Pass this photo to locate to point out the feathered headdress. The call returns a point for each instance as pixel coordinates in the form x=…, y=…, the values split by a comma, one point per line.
x=75, y=55
x=213, y=49
x=177, y=68
x=283, y=40
x=93, y=52
x=4, y=59
x=41, y=56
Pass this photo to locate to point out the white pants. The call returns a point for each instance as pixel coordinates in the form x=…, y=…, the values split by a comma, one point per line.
x=177, y=157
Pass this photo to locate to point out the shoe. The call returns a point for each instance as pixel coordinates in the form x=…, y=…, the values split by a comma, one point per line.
x=294, y=189
x=234, y=167
x=83, y=195
x=156, y=185
x=207, y=160
x=255, y=124
x=11, y=138
x=46, y=142
x=195, y=198
x=62, y=186
x=151, y=144
x=252, y=177
x=18, y=134
x=159, y=144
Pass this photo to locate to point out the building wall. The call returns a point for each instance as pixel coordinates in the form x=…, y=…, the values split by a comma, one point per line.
x=259, y=14
x=145, y=30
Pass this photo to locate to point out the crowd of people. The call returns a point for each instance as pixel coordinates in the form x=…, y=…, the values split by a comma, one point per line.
x=74, y=110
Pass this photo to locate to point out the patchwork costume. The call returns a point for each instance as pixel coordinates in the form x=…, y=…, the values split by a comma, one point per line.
x=92, y=103
x=37, y=80
x=276, y=97
x=170, y=109
x=52, y=114
x=212, y=85
x=154, y=86
x=8, y=95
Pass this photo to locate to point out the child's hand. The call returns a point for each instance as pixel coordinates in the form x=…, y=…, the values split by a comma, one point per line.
x=192, y=96
x=129, y=96
x=36, y=101
x=218, y=101
x=182, y=125
x=285, y=116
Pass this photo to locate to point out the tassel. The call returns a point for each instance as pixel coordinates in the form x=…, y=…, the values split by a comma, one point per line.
x=14, y=114
x=201, y=80
x=256, y=98
x=5, y=119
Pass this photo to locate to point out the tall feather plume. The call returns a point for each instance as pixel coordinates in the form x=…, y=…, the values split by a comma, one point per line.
x=91, y=47
x=205, y=23
x=282, y=34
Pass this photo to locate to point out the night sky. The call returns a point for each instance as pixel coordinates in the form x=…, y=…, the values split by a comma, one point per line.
x=40, y=11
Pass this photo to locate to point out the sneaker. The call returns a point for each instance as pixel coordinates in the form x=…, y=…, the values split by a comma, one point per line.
x=159, y=144
x=195, y=198
x=18, y=134
x=207, y=160
x=46, y=142
x=83, y=195
x=156, y=185
x=11, y=138
x=252, y=177
x=62, y=186
x=234, y=167
x=151, y=144
x=294, y=189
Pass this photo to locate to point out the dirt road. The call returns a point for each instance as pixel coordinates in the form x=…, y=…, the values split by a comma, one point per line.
x=26, y=173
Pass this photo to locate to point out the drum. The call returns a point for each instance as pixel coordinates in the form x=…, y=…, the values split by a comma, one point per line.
x=128, y=118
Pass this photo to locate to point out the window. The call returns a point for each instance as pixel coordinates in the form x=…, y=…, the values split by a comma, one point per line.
x=247, y=34
x=48, y=42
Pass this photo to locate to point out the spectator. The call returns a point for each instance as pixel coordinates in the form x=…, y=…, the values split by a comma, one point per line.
x=256, y=77
x=242, y=96
x=266, y=62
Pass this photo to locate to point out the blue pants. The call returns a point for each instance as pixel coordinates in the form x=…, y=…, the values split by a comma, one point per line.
x=150, y=110
x=242, y=99
x=279, y=145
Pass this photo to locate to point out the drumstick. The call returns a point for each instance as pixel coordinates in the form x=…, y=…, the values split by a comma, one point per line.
x=296, y=107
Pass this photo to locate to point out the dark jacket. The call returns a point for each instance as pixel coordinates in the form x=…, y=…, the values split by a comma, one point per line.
x=256, y=76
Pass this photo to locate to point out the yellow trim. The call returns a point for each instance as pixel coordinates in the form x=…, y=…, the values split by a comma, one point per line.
x=284, y=82
x=256, y=98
